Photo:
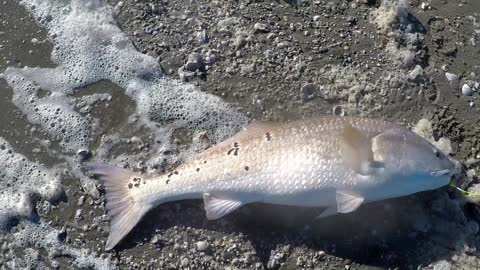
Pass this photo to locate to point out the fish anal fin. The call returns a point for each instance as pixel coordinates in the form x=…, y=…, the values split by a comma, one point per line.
x=356, y=151
x=123, y=208
x=217, y=206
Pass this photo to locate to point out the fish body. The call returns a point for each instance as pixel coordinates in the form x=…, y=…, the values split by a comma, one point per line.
x=332, y=162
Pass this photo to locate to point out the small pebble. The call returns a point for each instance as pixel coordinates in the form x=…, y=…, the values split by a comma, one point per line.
x=338, y=110
x=194, y=62
x=78, y=214
x=184, y=262
x=83, y=152
x=352, y=20
x=425, y=5
x=260, y=28
x=282, y=45
x=240, y=41
x=416, y=74
x=308, y=91
x=451, y=76
x=476, y=86
x=467, y=90
x=202, y=36
x=81, y=200
x=202, y=245
x=92, y=190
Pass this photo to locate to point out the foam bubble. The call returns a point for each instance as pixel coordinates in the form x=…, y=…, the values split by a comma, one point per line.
x=20, y=180
x=89, y=47
x=30, y=238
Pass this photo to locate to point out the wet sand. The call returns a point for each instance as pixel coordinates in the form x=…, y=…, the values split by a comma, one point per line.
x=275, y=62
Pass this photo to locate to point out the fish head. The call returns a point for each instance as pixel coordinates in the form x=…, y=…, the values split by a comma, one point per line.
x=412, y=162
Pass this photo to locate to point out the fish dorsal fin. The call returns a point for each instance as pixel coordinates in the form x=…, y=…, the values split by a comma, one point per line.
x=356, y=151
x=261, y=125
x=254, y=129
x=257, y=127
x=346, y=202
x=217, y=206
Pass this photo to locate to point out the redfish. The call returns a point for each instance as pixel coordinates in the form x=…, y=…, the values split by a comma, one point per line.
x=338, y=163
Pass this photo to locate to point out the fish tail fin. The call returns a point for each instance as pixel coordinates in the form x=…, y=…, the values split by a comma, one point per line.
x=122, y=207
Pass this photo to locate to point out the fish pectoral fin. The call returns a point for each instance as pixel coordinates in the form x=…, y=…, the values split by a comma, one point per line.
x=217, y=206
x=356, y=151
x=348, y=201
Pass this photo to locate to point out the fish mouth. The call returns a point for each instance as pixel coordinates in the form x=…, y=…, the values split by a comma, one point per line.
x=441, y=173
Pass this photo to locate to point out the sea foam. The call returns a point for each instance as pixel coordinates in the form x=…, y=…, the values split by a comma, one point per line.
x=89, y=47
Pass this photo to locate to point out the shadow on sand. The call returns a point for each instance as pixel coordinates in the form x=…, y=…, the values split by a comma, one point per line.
x=378, y=234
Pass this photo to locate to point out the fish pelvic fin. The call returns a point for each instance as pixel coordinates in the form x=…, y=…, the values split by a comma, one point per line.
x=346, y=202
x=123, y=208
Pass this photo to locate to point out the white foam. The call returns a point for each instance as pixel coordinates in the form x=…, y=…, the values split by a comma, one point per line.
x=20, y=180
x=29, y=237
x=89, y=47
x=53, y=113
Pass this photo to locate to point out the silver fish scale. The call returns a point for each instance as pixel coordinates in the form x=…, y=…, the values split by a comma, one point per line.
x=267, y=160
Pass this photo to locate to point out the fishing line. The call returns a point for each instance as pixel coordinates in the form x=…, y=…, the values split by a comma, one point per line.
x=468, y=193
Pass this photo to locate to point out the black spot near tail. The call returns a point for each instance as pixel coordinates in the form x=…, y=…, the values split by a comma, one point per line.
x=268, y=136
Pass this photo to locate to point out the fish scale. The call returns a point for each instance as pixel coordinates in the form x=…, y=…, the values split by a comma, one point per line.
x=332, y=162
x=265, y=157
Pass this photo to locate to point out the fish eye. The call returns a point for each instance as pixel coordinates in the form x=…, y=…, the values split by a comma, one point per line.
x=436, y=153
